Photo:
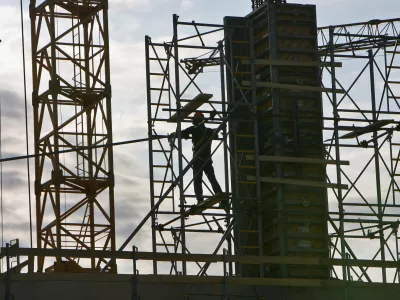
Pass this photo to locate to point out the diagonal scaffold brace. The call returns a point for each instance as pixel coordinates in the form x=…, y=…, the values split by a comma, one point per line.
x=176, y=182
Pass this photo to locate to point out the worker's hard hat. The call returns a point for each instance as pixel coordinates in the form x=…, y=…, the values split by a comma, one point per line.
x=198, y=115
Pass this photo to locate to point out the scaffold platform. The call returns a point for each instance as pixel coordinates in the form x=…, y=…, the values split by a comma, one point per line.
x=201, y=207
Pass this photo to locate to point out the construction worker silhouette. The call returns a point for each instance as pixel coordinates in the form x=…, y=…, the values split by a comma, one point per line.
x=200, y=136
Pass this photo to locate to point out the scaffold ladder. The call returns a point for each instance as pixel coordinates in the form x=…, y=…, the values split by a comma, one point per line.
x=392, y=64
x=246, y=142
x=161, y=158
x=392, y=70
x=78, y=86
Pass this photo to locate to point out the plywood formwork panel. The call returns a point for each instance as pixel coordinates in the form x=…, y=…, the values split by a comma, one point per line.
x=289, y=117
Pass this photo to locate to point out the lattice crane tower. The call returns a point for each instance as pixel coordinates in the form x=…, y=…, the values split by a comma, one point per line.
x=72, y=110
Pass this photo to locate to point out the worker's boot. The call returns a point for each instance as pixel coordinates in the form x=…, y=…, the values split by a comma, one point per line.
x=224, y=204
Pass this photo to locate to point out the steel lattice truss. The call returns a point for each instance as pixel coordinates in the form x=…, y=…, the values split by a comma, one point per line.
x=366, y=215
x=363, y=219
x=360, y=36
x=72, y=108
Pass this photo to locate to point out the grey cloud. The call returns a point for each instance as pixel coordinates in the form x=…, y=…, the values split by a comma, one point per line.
x=13, y=180
x=12, y=105
x=131, y=207
x=19, y=226
x=11, y=140
x=136, y=130
x=131, y=168
x=126, y=160
x=124, y=180
x=129, y=214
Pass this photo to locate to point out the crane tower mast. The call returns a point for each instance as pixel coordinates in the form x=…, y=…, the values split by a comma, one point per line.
x=72, y=109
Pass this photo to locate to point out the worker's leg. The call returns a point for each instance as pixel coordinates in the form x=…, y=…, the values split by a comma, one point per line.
x=209, y=170
x=198, y=179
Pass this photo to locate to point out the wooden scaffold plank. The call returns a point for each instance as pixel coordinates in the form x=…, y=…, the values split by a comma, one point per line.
x=304, y=160
x=210, y=202
x=191, y=106
x=200, y=207
x=293, y=87
x=295, y=63
x=300, y=182
x=367, y=129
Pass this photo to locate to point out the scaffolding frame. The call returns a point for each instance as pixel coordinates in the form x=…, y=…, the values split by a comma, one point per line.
x=344, y=42
x=174, y=112
x=336, y=43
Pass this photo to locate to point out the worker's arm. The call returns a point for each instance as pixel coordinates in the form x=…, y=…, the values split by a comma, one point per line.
x=186, y=133
x=211, y=132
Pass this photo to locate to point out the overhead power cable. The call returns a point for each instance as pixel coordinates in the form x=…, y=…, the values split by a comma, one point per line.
x=75, y=149
x=26, y=123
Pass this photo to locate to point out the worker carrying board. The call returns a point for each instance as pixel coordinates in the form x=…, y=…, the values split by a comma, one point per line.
x=201, y=140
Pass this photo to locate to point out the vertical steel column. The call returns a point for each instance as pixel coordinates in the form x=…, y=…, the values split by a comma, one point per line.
x=386, y=78
x=225, y=284
x=56, y=173
x=256, y=147
x=7, y=288
x=110, y=151
x=89, y=130
x=179, y=128
x=233, y=147
x=150, y=130
x=397, y=254
x=337, y=153
x=134, y=285
x=35, y=104
x=224, y=133
x=392, y=170
x=377, y=165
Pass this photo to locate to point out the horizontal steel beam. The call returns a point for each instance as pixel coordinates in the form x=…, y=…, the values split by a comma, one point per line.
x=209, y=280
x=371, y=22
x=168, y=257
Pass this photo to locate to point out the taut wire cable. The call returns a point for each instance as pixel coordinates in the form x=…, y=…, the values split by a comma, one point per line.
x=26, y=123
x=82, y=148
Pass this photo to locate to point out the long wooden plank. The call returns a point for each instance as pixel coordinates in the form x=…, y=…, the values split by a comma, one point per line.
x=367, y=129
x=210, y=202
x=191, y=106
x=293, y=87
x=199, y=208
x=304, y=160
x=300, y=182
x=297, y=63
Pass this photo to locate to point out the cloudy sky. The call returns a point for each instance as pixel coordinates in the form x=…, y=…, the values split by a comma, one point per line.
x=130, y=21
